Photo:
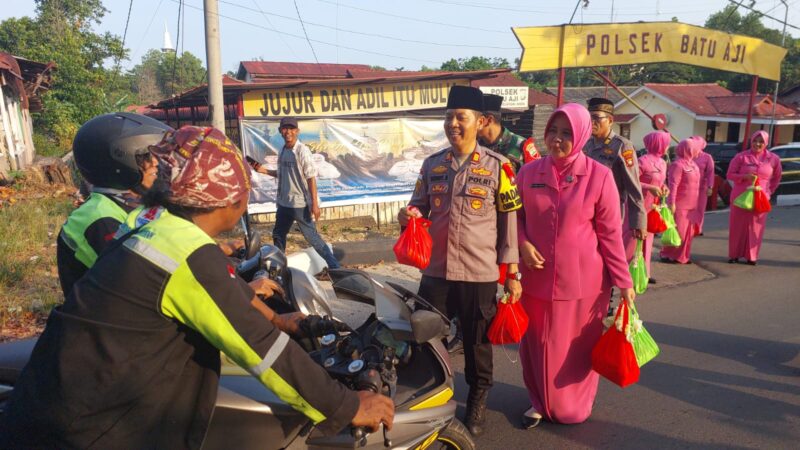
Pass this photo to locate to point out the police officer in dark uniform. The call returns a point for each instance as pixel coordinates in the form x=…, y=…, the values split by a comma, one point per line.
x=619, y=155
x=498, y=138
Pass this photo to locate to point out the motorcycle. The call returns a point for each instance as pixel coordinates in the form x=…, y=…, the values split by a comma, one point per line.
x=397, y=352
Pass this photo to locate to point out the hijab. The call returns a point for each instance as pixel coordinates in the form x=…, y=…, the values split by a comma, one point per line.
x=702, y=142
x=581, y=124
x=689, y=149
x=764, y=135
x=657, y=143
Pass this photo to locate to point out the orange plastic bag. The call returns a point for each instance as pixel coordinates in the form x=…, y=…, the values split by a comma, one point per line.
x=509, y=324
x=414, y=245
x=613, y=356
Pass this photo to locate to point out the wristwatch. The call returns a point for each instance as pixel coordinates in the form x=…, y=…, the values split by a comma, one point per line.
x=514, y=276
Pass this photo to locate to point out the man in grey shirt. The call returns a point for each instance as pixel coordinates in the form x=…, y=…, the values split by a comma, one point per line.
x=297, y=192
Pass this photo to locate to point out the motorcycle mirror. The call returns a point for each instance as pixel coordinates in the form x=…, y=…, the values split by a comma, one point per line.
x=252, y=244
x=427, y=325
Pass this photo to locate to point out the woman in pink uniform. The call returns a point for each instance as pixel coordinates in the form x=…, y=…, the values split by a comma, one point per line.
x=570, y=238
x=684, y=181
x=705, y=163
x=747, y=227
x=653, y=176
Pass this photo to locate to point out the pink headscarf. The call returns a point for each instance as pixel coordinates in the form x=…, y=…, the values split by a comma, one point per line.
x=657, y=143
x=702, y=142
x=764, y=135
x=581, y=123
x=689, y=149
x=207, y=170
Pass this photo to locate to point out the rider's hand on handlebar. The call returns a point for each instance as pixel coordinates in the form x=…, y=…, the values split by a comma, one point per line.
x=266, y=287
x=288, y=323
x=372, y=410
x=231, y=247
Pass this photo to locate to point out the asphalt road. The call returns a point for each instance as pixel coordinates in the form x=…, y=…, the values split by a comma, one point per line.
x=728, y=375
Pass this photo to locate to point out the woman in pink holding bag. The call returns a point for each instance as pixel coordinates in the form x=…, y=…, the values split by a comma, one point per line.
x=570, y=239
x=653, y=177
x=683, y=178
x=747, y=227
x=705, y=163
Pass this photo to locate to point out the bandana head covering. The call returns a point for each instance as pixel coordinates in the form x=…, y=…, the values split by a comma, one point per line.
x=688, y=149
x=764, y=135
x=581, y=124
x=206, y=169
x=657, y=143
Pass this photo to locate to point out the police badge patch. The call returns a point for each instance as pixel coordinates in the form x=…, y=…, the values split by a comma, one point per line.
x=627, y=155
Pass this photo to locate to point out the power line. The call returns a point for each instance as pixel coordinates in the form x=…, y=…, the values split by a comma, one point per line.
x=382, y=36
x=767, y=16
x=302, y=25
x=416, y=19
x=122, y=50
x=280, y=36
x=175, y=56
x=144, y=36
x=315, y=40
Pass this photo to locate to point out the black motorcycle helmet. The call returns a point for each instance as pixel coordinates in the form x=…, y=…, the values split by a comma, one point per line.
x=108, y=149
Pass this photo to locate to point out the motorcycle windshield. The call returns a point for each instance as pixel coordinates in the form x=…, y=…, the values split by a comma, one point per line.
x=390, y=309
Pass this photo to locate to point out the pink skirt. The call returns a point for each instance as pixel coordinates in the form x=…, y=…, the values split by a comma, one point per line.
x=556, y=355
x=746, y=233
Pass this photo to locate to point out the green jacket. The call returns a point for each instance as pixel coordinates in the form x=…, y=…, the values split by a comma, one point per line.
x=132, y=359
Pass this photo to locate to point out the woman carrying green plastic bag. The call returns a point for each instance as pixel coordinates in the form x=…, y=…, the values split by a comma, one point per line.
x=639, y=270
x=745, y=200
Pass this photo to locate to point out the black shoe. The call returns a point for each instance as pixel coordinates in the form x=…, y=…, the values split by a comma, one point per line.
x=456, y=345
x=667, y=260
x=476, y=411
x=531, y=419
x=752, y=263
x=733, y=260
x=651, y=281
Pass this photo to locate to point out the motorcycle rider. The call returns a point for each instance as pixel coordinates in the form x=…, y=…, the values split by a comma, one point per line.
x=131, y=360
x=111, y=152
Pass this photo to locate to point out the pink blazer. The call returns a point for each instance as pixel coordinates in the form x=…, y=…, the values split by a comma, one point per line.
x=767, y=166
x=706, y=164
x=684, y=182
x=652, y=173
x=577, y=227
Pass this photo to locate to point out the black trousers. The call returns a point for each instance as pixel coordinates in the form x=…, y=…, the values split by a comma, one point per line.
x=474, y=305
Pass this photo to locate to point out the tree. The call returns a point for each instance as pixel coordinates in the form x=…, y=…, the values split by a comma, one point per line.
x=163, y=74
x=62, y=33
x=474, y=63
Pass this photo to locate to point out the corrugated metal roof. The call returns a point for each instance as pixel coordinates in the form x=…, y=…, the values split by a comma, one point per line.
x=582, y=94
x=501, y=79
x=710, y=99
x=536, y=97
x=276, y=69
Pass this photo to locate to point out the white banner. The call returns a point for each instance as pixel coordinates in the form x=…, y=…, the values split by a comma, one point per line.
x=514, y=97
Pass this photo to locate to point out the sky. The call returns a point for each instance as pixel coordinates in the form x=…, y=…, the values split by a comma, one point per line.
x=393, y=34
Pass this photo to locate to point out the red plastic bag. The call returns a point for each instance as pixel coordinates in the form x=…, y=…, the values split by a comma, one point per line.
x=655, y=223
x=414, y=245
x=509, y=324
x=761, y=202
x=613, y=356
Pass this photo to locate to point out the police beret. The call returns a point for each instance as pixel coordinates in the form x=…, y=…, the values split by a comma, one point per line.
x=465, y=97
x=601, y=104
x=492, y=102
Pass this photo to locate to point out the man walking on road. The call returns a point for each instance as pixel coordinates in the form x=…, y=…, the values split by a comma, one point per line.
x=297, y=192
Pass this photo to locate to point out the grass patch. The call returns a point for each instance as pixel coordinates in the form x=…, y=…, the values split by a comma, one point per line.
x=29, y=285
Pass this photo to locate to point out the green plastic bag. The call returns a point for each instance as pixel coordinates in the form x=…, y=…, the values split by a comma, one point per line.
x=644, y=346
x=639, y=270
x=745, y=200
x=666, y=214
x=670, y=237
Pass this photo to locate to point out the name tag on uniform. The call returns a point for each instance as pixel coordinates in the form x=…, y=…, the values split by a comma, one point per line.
x=438, y=178
x=538, y=185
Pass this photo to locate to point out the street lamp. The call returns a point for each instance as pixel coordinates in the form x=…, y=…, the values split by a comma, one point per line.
x=778, y=83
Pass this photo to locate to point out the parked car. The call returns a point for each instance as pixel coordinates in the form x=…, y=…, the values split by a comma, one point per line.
x=790, y=183
x=723, y=153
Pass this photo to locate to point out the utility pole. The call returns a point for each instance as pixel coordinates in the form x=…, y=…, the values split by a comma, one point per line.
x=778, y=83
x=216, y=101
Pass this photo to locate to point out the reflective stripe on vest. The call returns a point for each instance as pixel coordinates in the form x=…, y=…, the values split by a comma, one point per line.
x=74, y=230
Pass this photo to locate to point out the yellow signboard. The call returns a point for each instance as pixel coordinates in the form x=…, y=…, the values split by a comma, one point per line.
x=344, y=100
x=597, y=45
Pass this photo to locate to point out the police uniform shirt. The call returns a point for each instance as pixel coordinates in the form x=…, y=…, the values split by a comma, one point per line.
x=619, y=155
x=509, y=145
x=470, y=236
